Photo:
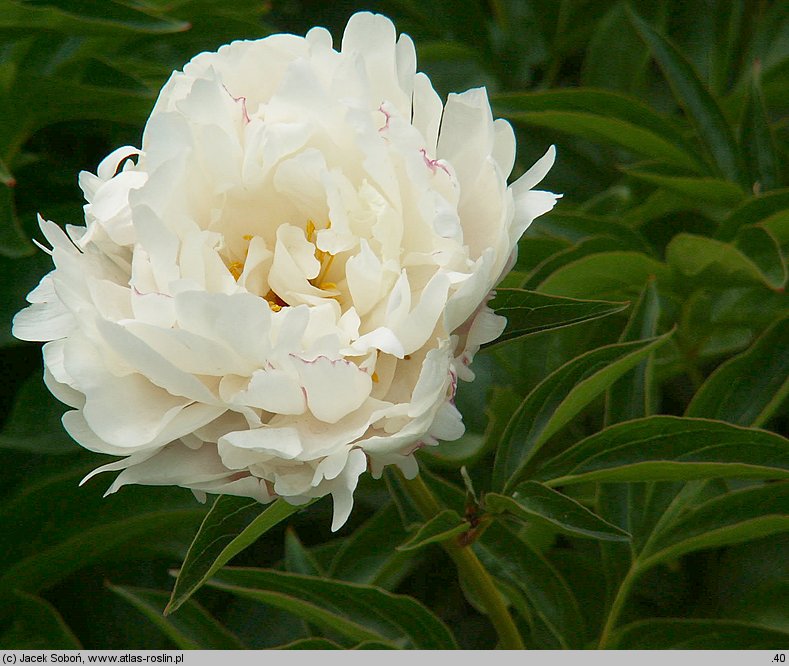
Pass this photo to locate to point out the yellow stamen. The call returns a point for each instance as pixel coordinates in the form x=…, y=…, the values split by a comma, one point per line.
x=327, y=286
x=325, y=267
x=274, y=307
x=247, y=237
x=236, y=268
x=374, y=377
x=310, y=230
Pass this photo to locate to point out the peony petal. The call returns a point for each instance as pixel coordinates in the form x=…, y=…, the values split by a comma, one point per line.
x=334, y=388
x=343, y=486
x=427, y=110
x=156, y=368
x=282, y=442
x=43, y=321
x=535, y=174
x=275, y=391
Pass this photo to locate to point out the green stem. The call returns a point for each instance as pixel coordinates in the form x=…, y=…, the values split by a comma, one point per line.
x=616, y=607
x=470, y=569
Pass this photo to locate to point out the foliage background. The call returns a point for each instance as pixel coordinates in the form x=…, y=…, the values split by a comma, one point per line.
x=674, y=164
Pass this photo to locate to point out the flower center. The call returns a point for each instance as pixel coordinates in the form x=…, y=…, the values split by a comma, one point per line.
x=325, y=258
x=320, y=281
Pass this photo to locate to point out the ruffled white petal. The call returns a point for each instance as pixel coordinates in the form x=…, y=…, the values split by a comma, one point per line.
x=280, y=290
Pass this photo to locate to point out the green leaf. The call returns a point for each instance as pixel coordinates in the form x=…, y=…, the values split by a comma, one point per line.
x=609, y=130
x=670, y=448
x=46, y=541
x=763, y=251
x=605, y=276
x=37, y=625
x=230, y=526
x=630, y=396
x=6, y=177
x=588, y=246
x=700, y=106
x=358, y=612
x=369, y=554
x=602, y=115
x=311, y=644
x=84, y=17
x=757, y=140
x=749, y=388
x=741, y=515
x=710, y=190
x=529, y=312
x=192, y=629
x=326, y=644
x=34, y=422
x=574, y=227
x=13, y=243
x=72, y=100
x=298, y=558
x=511, y=559
x=711, y=262
x=557, y=399
x=691, y=634
x=441, y=527
x=614, y=40
x=753, y=211
x=534, y=502
x=533, y=250
x=466, y=450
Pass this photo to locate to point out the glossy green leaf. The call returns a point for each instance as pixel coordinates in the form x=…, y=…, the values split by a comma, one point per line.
x=757, y=139
x=441, y=527
x=532, y=250
x=34, y=422
x=609, y=130
x=37, y=625
x=529, y=312
x=700, y=106
x=86, y=17
x=737, y=516
x=71, y=100
x=46, y=541
x=692, y=634
x=311, y=644
x=630, y=396
x=614, y=40
x=369, y=554
x=670, y=448
x=710, y=190
x=557, y=399
x=534, y=502
x=763, y=250
x=574, y=227
x=466, y=450
x=753, y=211
x=298, y=558
x=230, y=526
x=709, y=261
x=358, y=612
x=605, y=276
x=601, y=115
x=588, y=246
x=749, y=388
x=510, y=558
x=193, y=628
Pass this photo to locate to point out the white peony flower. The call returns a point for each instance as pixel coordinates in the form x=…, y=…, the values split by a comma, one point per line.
x=281, y=288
